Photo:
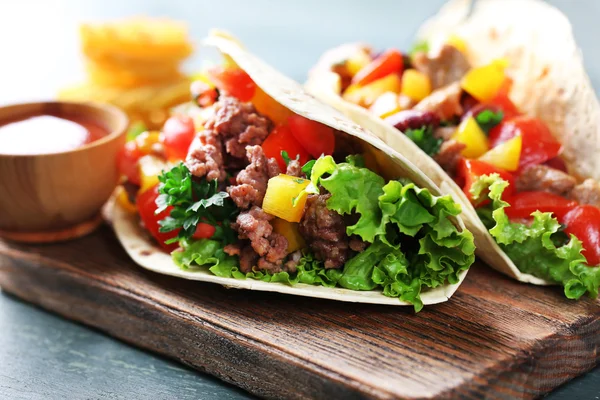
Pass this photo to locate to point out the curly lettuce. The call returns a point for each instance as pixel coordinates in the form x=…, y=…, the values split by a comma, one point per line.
x=413, y=242
x=536, y=248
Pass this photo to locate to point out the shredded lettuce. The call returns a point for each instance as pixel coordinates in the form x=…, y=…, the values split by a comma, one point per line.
x=536, y=249
x=413, y=242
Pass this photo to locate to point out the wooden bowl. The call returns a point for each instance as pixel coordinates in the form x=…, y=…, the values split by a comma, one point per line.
x=58, y=196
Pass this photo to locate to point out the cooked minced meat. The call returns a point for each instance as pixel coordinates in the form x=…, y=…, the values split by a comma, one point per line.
x=443, y=102
x=449, y=155
x=233, y=126
x=447, y=66
x=252, y=181
x=295, y=169
x=324, y=232
x=205, y=157
x=544, y=178
x=271, y=247
x=357, y=244
x=587, y=192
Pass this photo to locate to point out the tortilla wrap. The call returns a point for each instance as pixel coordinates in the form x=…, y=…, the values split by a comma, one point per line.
x=549, y=82
x=290, y=94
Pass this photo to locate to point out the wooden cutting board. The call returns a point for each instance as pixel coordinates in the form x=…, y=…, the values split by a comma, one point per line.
x=494, y=339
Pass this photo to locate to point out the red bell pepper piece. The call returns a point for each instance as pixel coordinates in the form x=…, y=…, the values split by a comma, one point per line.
x=470, y=170
x=388, y=62
x=538, y=146
x=524, y=203
x=584, y=222
x=282, y=139
x=146, y=203
x=315, y=137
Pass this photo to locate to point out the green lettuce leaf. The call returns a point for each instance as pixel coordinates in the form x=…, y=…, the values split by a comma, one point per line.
x=534, y=248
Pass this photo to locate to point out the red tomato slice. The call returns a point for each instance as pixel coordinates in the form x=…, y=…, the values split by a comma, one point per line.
x=178, y=133
x=388, y=62
x=524, y=203
x=233, y=81
x=584, y=223
x=146, y=203
x=127, y=162
x=470, y=170
x=538, y=146
x=281, y=139
x=315, y=137
x=204, y=231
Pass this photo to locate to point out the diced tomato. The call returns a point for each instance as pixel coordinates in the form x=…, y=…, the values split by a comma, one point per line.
x=127, y=160
x=314, y=136
x=177, y=136
x=538, y=146
x=388, y=62
x=281, y=139
x=502, y=102
x=204, y=231
x=146, y=203
x=203, y=94
x=470, y=170
x=233, y=81
x=524, y=203
x=584, y=223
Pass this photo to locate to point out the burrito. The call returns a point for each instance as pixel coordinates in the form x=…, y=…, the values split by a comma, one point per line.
x=495, y=108
x=257, y=185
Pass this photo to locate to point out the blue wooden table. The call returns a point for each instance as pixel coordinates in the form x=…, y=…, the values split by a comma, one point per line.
x=45, y=357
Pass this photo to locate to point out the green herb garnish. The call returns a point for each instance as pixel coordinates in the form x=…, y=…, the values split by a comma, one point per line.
x=423, y=137
x=487, y=119
x=194, y=202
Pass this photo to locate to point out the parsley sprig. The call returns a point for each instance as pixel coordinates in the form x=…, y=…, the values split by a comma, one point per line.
x=423, y=137
x=487, y=119
x=194, y=202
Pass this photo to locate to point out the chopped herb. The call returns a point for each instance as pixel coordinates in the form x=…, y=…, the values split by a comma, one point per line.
x=299, y=180
x=307, y=168
x=487, y=119
x=135, y=130
x=193, y=202
x=286, y=157
x=423, y=137
x=420, y=46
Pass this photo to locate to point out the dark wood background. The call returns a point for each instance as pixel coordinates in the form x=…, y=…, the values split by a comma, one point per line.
x=495, y=338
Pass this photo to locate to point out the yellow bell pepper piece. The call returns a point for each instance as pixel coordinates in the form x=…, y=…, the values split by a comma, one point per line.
x=470, y=134
x=505, y=155
x=285, y=197
x=457, y=42
x=289, y=230
x=266, y=105
x=484, y=82
x=145, y=140
x=150, y=168
x=415, y=84
x=124, y=202
x=366, y=95
x=385, y=105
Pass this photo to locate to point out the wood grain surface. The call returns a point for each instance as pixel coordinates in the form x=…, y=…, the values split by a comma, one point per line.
x=496, y=338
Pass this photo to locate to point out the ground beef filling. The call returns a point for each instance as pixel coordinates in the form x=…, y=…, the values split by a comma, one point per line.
x=251, y=182
x=447, y=66
x=233, y=126
x=324, y=231
x=270, y=247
